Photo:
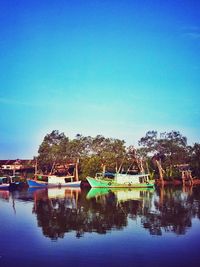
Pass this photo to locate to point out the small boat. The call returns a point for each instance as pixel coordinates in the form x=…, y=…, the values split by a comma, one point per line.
x=53, y=181
x=120, y=180
x=4, y=183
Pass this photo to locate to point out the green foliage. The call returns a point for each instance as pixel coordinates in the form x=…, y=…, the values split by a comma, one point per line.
x=90, y=166
x=172, y=146
x=94, y=153
x=195, y=159
x=53, y=149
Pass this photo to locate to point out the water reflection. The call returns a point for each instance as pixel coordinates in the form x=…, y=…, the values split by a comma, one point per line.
x=4, y=195
x=60, y=211
x=57, y=211
x=174, y=210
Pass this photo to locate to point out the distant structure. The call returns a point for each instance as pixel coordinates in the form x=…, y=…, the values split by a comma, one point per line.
x=11, y=167
x=23, y=167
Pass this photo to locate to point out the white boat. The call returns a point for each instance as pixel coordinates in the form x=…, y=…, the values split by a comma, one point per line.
x=53, y=181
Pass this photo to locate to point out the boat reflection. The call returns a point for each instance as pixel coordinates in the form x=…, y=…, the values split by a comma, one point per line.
x=122, y=194
x=56, y=210
x=60, y=211
x=103, y=210
x=56, y=198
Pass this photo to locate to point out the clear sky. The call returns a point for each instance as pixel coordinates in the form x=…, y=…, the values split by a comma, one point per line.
x=117, y=68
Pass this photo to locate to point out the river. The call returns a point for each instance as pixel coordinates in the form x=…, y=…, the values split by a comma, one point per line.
x=63, y=227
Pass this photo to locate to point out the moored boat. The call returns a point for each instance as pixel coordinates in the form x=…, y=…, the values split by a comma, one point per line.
x=121, y=181
x=53, y=181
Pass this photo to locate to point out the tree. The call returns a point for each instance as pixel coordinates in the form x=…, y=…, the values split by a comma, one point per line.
x=54, y=148
x=111, y=151
x=195, y=159
x=170, y=149
x=101, y=154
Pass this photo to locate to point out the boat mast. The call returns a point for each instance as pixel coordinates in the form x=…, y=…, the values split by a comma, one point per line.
x=76, y=170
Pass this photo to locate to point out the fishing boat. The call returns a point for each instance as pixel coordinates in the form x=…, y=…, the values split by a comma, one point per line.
x=121, y=180
x=53, y=181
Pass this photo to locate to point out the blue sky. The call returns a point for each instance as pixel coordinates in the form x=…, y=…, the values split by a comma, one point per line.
x=116, y=68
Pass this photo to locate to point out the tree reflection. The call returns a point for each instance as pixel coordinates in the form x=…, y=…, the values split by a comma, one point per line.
x=58, y=216
x=174, y=210
x=163, y=210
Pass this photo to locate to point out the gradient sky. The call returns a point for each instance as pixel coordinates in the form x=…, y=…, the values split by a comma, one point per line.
x=116, y=68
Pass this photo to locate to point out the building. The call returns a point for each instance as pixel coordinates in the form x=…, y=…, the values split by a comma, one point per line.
x=18, y=165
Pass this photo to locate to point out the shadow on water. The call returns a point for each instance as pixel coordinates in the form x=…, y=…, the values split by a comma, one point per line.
x=60, y=211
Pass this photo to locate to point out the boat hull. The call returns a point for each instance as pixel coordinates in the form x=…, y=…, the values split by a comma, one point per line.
x=108, y=183
x=40, y=184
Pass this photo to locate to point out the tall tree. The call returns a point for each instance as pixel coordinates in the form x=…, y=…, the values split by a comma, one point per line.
x=168, y=149
x=53, y=149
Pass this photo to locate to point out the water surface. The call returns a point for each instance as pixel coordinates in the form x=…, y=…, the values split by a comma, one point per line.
x=63, y=227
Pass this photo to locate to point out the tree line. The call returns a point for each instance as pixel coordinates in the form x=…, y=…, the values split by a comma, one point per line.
x=96, y=154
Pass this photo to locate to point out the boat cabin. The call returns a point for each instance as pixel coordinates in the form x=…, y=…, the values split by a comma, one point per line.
x=109, y=175
x=54, y=179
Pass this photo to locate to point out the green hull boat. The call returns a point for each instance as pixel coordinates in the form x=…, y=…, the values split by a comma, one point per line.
x=121, y=181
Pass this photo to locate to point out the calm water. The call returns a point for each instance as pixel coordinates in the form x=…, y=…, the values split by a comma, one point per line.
x=59, y=227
